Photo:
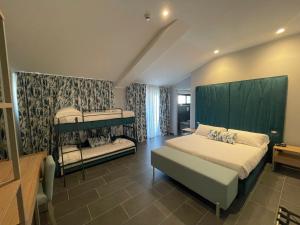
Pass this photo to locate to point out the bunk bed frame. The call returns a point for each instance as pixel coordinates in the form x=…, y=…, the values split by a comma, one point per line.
x=62, y=128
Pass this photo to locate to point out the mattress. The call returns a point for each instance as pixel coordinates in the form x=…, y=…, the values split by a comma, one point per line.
x=69, y=116
x=88, y=153
x=241, y=158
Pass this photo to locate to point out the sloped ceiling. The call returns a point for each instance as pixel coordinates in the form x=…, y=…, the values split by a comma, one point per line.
x=101, y=38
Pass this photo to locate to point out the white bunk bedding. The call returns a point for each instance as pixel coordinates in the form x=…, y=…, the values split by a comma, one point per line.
x=88, y=153
x=239, y=157
x=68, y=115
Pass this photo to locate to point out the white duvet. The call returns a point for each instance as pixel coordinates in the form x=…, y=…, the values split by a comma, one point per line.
x=239, y=157
x=88, y=153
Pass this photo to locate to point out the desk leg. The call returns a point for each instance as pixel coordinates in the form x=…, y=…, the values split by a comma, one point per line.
x=51, y=213
x=37, y=214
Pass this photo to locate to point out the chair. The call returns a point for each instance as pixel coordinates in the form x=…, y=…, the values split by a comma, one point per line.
x=45, y=192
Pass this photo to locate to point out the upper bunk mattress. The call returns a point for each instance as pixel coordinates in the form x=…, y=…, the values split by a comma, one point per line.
x=68, y=115
x=241, y=158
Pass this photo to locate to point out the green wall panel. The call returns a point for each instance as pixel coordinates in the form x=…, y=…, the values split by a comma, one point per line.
x=212, y=104
x=258, y=105
x=253, y=105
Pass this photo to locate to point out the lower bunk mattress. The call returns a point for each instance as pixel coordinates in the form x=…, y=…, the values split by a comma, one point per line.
x=72, y=154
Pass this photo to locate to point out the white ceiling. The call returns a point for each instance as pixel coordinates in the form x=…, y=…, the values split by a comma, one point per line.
x=101, y=38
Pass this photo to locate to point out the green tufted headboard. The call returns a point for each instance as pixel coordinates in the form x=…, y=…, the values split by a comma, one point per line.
x=254, y=105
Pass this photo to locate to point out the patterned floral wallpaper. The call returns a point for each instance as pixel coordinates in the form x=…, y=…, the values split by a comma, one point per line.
x=164, y=110
x=136, y=101
x=40, y=96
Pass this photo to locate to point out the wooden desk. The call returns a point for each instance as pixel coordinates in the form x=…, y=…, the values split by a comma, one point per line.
x=289, y=155
x=30, y=170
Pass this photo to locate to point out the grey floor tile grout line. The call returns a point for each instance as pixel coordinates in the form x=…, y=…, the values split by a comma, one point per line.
x=157, y=201
x=202, y=218
x=280, y=197
x=91, y=218
x=96, y=189
x=113, y=192
x=68, y=213
x=142, y=209
x=195, y=207
x=127, y=192
x=294, y=185
x=105, y=182
x=122, y=206
x=171, y=213
x=109, y=209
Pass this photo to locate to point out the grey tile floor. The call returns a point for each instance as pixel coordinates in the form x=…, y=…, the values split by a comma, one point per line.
x=121, y=192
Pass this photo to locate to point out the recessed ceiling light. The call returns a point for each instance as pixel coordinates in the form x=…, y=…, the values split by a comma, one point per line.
x=165, y=13
x=217, y=51
x=147, y=16
x=280, y=31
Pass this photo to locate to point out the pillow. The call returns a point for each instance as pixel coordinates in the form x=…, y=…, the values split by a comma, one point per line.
x=214, y=135
x=251, y=138
x=227, y=137
x=204, y=129
x=120, y=140
x=97, y=141
x=67, y=111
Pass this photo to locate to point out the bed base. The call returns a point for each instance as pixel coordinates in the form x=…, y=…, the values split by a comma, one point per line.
x=73, y=167
x=246, y=185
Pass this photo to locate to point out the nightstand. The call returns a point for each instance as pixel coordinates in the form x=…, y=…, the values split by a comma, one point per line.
x=289, y=155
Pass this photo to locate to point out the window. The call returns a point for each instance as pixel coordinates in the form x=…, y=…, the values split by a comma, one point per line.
x=181, y=99
x=152, y=111
x=184, y=99
x=188, y=99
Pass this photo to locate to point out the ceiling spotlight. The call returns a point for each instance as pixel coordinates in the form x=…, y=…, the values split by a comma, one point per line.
x=280, y=31
x=165, y=13
x=147, y=16
x=217, y=51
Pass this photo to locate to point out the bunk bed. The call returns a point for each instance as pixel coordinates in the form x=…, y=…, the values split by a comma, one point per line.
x=74, y=157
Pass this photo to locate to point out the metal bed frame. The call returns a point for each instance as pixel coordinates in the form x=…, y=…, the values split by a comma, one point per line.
x=60, y=128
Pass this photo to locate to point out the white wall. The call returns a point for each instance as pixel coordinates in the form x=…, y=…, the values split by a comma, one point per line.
x=183, y=87
x=280, y=57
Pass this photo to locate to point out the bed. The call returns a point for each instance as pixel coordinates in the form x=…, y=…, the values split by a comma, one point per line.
x=70, y=115
x=71, y=120
x=239, y=157
x=72, y=157
x=246, y=153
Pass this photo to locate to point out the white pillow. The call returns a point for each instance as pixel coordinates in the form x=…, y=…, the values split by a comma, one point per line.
x=251, y=138
x=67, y=111
x=204, y=129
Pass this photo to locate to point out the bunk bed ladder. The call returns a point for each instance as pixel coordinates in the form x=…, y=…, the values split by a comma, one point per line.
x=60, y=144
x=80, y=149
